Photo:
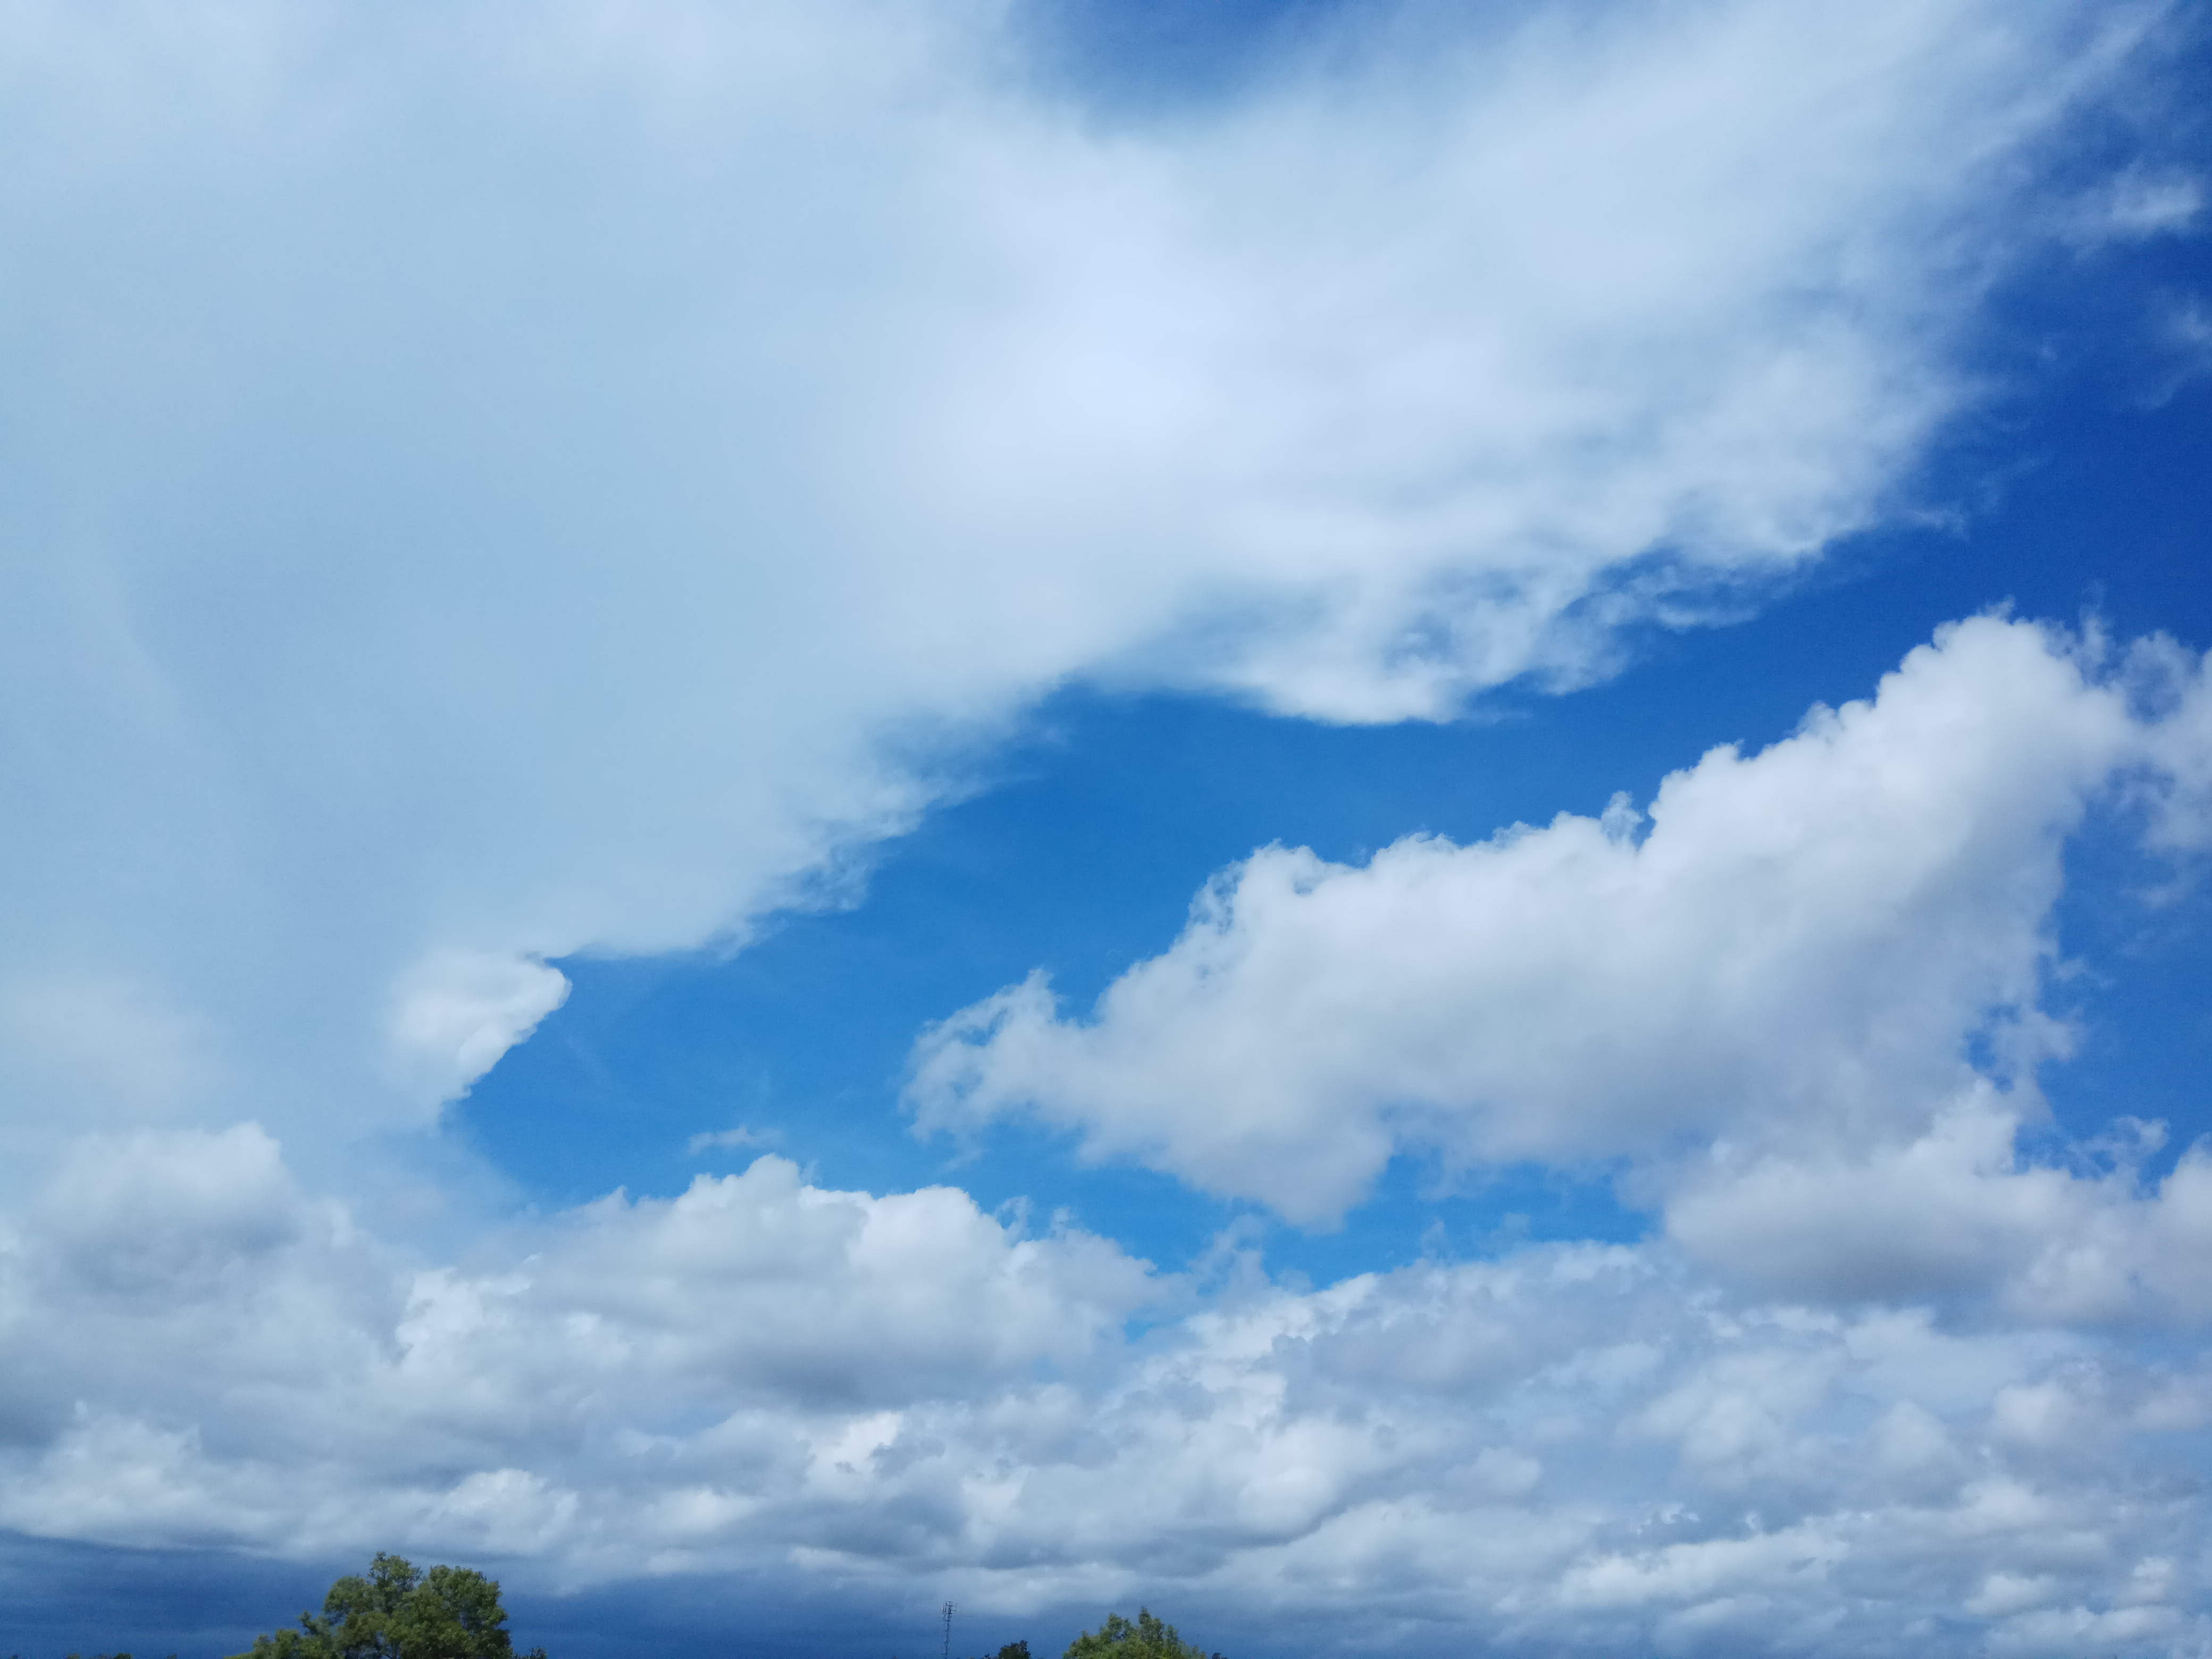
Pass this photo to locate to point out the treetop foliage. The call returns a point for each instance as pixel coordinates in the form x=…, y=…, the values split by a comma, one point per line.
x=1148, y=1638
x=398, y=1612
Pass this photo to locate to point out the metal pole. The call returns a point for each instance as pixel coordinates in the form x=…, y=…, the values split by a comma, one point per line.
x=948, y=1630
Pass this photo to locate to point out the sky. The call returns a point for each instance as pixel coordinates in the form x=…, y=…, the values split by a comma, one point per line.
x=1389, y=822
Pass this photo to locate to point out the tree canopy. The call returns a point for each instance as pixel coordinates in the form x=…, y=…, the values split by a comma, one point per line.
x=398, y=1612
x=1148, y=1638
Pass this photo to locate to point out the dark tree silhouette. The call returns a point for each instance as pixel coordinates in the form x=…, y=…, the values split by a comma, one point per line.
x=1148, y=1638
x=397, y=1611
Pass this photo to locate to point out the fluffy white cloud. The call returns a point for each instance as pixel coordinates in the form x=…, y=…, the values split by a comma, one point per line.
x=1574, y=1448
x=1877, y=1379
x=457, y=1011
x=193, y=1336
x=1797, y=957
x=486, y=482
x=1957, y=1212
x=490, y=482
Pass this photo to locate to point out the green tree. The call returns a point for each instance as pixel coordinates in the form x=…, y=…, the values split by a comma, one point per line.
x=1148, y=1638
x=399, y=1613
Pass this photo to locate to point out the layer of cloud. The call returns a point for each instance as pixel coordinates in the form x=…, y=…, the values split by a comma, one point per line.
x=1959, y=1213
x=1879, y=1381
x=457, y=1013
x=487, y=483
x=271, y=1343
x=1820, y=948
x=490, y=483
x=1576, y=1448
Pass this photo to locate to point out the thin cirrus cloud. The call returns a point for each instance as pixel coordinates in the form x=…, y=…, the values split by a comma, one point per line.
x=496, y=484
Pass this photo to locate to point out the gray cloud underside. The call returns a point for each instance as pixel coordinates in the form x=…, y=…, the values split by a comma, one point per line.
x=1880, y=1380
x=1575, y=1447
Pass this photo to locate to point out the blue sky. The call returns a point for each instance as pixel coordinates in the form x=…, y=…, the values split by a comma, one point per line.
x=1091, y=828
x=814, y=810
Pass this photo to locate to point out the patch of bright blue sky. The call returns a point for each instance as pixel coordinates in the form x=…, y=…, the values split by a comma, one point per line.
x=1105, y=817
x=2081, y=487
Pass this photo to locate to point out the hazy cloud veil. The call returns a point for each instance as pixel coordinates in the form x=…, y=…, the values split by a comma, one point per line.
x=489, y=483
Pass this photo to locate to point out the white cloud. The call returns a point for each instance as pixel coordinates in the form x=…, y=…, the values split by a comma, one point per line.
x=138, y=1211
x=2138, y=203
x=178, y=1306
x=1958, y=1211
x=744, y=1137
x=1579, y=1448
x=106, y=1047
x=2183, y=345
x=457, y=1011
x=1796, y=954
x=493, y=482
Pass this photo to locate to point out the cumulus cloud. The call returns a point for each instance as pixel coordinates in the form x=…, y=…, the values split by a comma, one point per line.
x=1876, y=1374
x=752, y=1301
x=1958, y=1212
x=457, y=1011
x=493, y=482
x=1802, y=950
x=1574, y=1447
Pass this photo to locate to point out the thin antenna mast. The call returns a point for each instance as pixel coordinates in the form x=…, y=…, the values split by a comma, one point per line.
x=948, y=1630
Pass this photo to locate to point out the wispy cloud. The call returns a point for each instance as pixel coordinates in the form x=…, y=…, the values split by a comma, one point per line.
x=740, y=1138
x=489, y=484
x=485, y=482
